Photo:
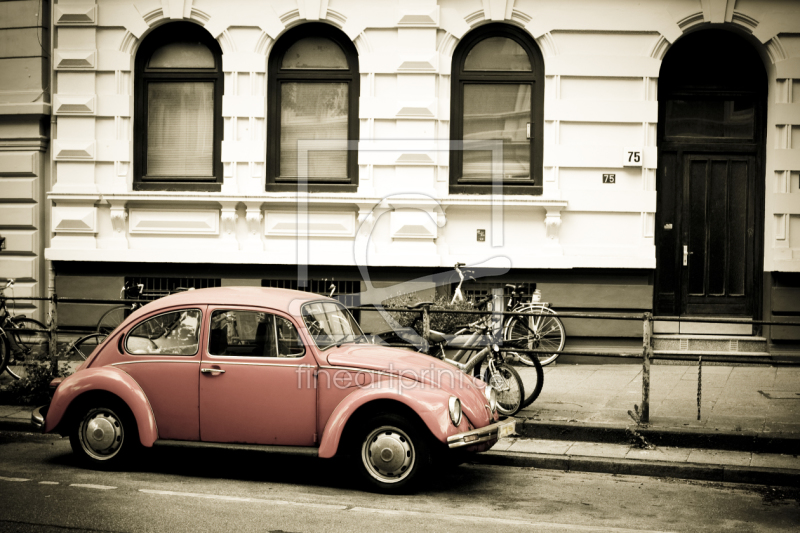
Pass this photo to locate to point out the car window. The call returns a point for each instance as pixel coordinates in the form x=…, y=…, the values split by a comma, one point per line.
x=254, y=334
x=173, y=333
x=329, y=324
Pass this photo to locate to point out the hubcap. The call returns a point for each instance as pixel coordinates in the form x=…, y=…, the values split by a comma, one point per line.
x=388, y=454
x=101, y=434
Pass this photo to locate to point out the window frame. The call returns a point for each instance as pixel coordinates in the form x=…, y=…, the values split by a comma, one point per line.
x=168, y=33
x=460, y=78
x=277, y=76
x=161, y=312
x=274, y=330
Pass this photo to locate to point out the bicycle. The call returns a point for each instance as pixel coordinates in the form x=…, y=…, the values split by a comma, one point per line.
x=543, y=331
x=83, y=347
x=20, y=336
x=497, y=373
x=116, y=315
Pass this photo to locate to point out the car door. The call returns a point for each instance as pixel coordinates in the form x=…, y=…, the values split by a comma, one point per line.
x=162, y=353
x=257, y=380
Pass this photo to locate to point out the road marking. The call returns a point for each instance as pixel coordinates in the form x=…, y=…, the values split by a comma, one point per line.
x=13, y=478
x=87, y=486
x=241, y=499
x=48, y=483
x=506, y=521
x=483, y=519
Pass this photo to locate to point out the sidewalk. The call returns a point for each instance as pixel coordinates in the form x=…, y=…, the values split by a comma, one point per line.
x=742, y=408
x=748, y=432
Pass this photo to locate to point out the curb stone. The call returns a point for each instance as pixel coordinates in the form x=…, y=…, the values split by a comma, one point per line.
x=639, y=467
x=746, y=441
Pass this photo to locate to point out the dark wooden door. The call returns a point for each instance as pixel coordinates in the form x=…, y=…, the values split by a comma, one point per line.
x=718, y=234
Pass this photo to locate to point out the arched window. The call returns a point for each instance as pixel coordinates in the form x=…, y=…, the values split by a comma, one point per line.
x=178, y=110
x=313, y=96
x=497, y=94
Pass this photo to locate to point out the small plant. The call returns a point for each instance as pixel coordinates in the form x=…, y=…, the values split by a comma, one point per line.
x=636, y=439
x=444, y=322
x=34, y=387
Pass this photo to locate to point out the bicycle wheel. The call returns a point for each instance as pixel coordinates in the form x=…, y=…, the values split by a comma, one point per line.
x=112, y=318
x=4, y=351
x=83, y=347
x=541, y=332
x=509, y=387
x=34, y=339
x=532, y=380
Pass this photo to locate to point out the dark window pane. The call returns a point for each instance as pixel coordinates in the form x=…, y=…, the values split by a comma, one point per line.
x=180, y=129
x=498, y=53
x=314, y=53
x=697, y=227
x=738, y=227
x=313, y=111
x=182, y=55
x=728, y=119
x=718, y=228
x=242, y=333
x=497, y=112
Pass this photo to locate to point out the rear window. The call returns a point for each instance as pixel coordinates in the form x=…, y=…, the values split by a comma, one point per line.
x=173, y=333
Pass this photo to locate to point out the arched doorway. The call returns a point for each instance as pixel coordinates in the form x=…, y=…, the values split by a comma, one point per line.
x=711, y=133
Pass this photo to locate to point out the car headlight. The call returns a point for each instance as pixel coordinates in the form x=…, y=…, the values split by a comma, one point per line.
x=491, y=397
x=455, y=410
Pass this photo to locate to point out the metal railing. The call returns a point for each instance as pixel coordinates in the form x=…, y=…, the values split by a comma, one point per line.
x=646, y=354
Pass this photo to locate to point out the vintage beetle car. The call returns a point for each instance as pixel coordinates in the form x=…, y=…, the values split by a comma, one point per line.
x=285, y=370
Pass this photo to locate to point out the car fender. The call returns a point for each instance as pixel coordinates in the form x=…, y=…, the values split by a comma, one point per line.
x=431, y=405
x=106, y=379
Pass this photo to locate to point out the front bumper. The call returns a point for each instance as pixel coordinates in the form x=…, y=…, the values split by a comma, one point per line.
x=495, y=431
x=37, y=417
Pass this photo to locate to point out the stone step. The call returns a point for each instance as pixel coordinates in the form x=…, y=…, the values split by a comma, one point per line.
x=710, y=343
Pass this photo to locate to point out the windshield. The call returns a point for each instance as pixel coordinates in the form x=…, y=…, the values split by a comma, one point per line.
x=330, y=324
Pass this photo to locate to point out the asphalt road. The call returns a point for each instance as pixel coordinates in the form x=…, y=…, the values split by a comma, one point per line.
x=43, y=490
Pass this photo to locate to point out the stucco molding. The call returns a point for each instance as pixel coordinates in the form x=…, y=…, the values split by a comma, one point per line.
x=74, y=104
x=75, y=14
x=75, y=59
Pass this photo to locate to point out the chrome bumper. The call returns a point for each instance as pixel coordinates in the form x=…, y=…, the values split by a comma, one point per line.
x=494, y=431
x=37, y=417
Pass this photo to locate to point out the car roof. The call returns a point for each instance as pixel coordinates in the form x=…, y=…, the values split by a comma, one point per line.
x=286, y=300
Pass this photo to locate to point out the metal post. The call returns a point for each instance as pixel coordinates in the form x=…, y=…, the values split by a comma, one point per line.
x=53, y=326
x=497, y=317
x=647, y=352
x=699, y=384
x=426, y=324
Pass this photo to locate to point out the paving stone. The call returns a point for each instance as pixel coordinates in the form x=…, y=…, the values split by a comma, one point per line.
x=660, y=454
x=598, y=449
x=719, y=457
x=774, y=460
x=554, y=447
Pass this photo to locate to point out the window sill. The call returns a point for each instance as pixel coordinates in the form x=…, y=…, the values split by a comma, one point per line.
x=176, y=186
x=487, y=189
x=313, y=187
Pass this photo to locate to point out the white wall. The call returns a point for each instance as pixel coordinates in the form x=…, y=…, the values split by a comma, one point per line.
x=602, y=60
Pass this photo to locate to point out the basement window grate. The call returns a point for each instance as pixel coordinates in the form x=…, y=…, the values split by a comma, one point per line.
x=155, y=288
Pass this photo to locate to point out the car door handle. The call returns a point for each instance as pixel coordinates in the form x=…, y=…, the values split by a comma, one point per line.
x=212, y=370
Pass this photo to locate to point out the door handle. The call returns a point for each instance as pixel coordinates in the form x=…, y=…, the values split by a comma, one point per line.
x=686, y=254
x=212, y=370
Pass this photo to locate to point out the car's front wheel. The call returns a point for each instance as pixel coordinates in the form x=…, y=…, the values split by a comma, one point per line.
x=104, y=435
x=393, y=453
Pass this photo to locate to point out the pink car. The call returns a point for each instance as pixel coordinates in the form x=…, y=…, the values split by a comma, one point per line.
x=281, y=370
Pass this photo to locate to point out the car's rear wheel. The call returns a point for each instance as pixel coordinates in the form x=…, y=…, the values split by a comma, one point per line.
x=104, y=434
x=393, y=453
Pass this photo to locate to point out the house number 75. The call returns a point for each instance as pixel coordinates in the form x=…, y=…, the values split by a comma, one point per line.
x=632, y=158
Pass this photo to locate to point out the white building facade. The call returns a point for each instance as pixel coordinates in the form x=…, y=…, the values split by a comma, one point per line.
x=650, y=150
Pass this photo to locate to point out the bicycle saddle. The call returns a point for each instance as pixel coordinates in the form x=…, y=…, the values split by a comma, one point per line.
x=419, y=305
